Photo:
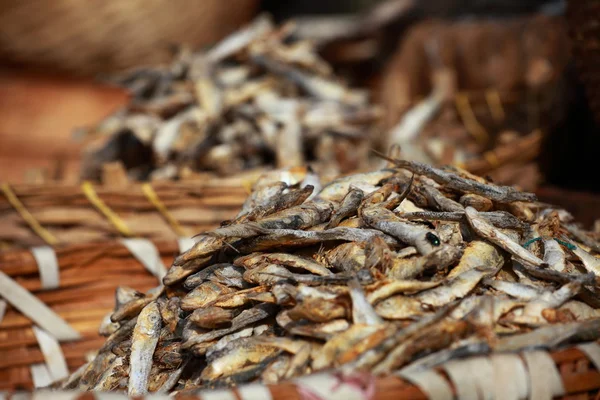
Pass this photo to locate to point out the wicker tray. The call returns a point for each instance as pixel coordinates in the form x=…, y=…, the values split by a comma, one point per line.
x=89, y=275
x=567, y=374
x=83, y=300
x=32, y=215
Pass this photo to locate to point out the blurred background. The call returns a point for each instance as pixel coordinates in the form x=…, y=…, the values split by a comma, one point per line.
x=514, y=83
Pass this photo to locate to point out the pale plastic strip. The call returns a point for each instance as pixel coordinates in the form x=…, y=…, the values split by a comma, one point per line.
x=185, y=244
x=3, y=395
x=431, y=383
x=55, y=359
x=466, y=388
x=332, y=387
x=2, y=310
x=481, y=371
x=55, y=395
x=217, y=395
x=510, y=377
x=37, y=311
x=545, y=381
x=157, y=396
x=47, y=263
x=20, y=396
x=40, y=375
x=592, y=350
x=254, y=391
x=110, y=396
x=146, y=253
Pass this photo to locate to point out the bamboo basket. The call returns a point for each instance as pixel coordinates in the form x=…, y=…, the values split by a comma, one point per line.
x=499, y=89
x=32, y=215
x=89, y=275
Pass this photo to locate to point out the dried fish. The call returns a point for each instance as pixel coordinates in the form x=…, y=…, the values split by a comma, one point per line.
x=425, y=240
x=348, y=207
x=295, y=285
x=143, y=343
x=259, y=97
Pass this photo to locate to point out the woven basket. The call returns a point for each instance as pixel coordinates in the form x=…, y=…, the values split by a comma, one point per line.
x=32, y=215
x=89, y=275
x=498, y=77
x=102, y=36
x=82, y=294
x=83, y=300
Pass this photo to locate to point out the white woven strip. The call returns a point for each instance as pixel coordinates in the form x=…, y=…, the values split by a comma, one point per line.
x=217, y=395
x=47, y=263
x=146, y=253
x=3, y=395
x=2, y=312
x=510, y=377
x=32, y=307
x=431, y=383
x=110, y=396
x=460, y=375
x=55, y=395
x=481, y=371
x=545, y=381
x=333, y=387
x=592, y=351
x=185, y=244
x=157, y=396
x=254, y=391
x=55, y=359
x=40, y=375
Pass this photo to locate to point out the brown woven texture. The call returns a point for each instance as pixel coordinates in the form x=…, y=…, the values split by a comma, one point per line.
x=89, y=275
x=100, y=36
x=583, y=17
x=64, y=210
x=518, y=60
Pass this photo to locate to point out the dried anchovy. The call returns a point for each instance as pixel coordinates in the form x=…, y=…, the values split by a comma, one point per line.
x=339, y=280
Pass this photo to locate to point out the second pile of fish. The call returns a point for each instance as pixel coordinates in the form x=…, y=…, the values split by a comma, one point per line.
x=402, y=268
x=260, y=97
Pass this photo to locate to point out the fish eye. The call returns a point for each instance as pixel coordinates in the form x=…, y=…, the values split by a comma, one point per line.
x=431, y=238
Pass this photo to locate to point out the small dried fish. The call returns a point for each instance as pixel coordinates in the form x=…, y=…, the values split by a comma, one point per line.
x=425, y=240
x=342, y=281
x=495, y=236
x=143, y=343
x=348, y=207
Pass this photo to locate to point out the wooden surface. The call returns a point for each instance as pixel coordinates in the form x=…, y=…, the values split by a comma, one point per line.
x=38, y=114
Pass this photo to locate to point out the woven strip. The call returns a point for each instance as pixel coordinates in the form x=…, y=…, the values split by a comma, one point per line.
x=2, y=309
x=545, y=381
x=431, y=383
x=92, y=196
x=40, y=375
x=37, y=311
x=27, y=216
x=592, y=350
x=510, y=377
x=47, y=263
x=463, y=106
x=162, y=209
x=218, y=395
x=336, y=387
x=146, y=253
x=254, y=392
x=55, y=359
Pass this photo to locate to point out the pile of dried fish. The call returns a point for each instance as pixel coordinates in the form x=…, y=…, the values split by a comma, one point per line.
x=401, y=268
x=259, y=97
